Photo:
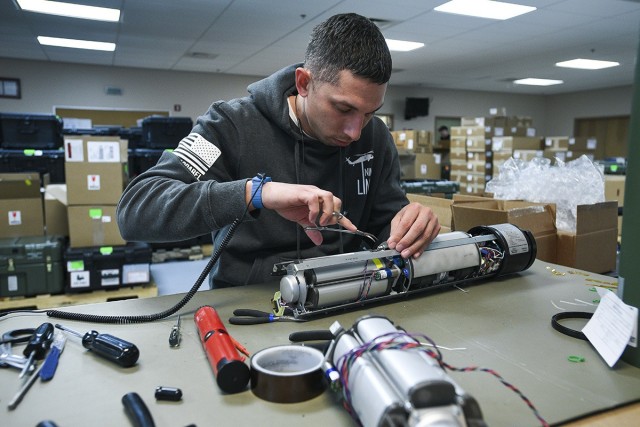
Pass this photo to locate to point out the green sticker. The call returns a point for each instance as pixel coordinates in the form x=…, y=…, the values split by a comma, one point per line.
x=75, y=265
x=614, y=168
x=106, y=250
x=95, y=213
x=29, y=152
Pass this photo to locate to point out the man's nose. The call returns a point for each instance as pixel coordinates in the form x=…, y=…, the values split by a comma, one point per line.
x=353, y=127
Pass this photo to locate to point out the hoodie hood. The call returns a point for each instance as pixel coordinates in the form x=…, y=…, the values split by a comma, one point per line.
x=270, y=96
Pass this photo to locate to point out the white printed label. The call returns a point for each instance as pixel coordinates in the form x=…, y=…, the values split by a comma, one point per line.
x=15, y=218
x=93, y=182
x=79, y=279
x=110, y=277
x=103, y=152
x=12, y=283
x=73, y=150
x=515, y=238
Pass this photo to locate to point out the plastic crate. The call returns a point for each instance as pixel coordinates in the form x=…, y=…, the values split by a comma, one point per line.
x=164, y=132
x=31, y=266
x=101, y=268
x=39, y=131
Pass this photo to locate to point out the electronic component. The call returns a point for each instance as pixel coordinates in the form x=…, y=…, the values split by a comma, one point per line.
x=395, y=383
x=318, y=285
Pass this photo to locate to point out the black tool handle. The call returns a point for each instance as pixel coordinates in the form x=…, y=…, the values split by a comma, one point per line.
x=40, y=341
x=137, y=411
x=250, y=312
x=317, y=335
x=249, y=320
x=111, y=348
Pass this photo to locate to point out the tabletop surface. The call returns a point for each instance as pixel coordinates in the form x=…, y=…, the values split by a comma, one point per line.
x=501, y=324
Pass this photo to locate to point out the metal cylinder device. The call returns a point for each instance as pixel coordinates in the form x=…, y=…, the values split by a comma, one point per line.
x=397, y=383
x=320, y=284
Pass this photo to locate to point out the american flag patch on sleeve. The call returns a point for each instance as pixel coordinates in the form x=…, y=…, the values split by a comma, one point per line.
x=197, y=154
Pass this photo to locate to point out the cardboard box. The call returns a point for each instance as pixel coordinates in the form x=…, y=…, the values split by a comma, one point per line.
x=594, y=244
x=95, y=169
x=56, y=220
x=467, y=131
x=516, y=143
x=407, y=139
x=420, y=166
x=424, y=141
x=441, y=207
x=581, y=143
x=539, y=218
x=93, y=225
x=557, y=142
x=614, y=188
x=20, y=205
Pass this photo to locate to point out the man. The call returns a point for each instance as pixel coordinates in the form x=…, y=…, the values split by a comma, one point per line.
x=311, y=129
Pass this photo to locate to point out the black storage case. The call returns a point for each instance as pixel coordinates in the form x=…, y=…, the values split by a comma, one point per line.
x=41, y=161
x=41, y=131
x=102, y=268
x=142, y=159
x=164, y=132
x=31, y=266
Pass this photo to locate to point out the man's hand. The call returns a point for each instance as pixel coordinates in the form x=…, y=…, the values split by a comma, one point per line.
x=412, y=229
x=306, y=205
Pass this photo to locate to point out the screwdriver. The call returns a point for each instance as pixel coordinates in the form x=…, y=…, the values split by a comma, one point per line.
x=111, y=348
x=38, y=345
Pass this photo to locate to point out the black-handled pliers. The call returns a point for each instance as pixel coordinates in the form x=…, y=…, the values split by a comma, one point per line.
x=247, y=316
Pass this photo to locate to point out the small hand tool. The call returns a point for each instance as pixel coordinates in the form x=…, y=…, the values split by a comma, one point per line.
x=175, y=335
x=111, y=348
x=38, y=345
x=247, y=316
x=50, y=364
x=24, y=389
x=137, y=410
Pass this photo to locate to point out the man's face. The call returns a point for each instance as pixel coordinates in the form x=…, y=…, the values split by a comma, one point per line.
x=336, y=114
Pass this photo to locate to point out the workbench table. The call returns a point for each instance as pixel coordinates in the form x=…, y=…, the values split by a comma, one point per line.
x=503, y=324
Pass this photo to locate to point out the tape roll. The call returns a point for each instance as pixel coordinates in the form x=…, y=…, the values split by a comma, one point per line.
x=287, y=373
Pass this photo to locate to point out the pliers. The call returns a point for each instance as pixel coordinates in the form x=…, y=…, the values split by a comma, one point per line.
x=247, y=316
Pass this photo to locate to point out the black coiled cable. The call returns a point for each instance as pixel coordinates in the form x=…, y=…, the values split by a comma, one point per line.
x=144, y=318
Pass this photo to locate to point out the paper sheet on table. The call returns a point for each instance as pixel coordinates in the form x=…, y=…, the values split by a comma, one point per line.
x=611, y=327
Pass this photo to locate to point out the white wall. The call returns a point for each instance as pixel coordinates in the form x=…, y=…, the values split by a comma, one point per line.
x=47, y=84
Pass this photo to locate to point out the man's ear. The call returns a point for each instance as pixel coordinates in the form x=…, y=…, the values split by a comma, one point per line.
x=303, y=80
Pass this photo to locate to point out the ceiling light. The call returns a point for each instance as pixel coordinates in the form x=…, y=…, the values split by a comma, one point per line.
x=77, y=44
x=538, y=82
x=70, y=10
x=587, y=64
x=403, y=46
x=484, y=8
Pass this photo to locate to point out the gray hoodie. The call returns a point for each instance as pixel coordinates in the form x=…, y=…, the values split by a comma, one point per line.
x=199, y=187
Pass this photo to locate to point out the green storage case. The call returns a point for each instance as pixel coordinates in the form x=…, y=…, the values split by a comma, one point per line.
x=31, y=266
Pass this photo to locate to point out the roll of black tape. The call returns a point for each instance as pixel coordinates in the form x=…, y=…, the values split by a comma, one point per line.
x=287, y=374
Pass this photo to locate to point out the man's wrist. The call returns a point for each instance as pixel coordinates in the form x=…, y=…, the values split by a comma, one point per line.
x=257, y=183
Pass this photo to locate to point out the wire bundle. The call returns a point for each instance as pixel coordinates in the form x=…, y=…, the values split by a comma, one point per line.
x=397, y=341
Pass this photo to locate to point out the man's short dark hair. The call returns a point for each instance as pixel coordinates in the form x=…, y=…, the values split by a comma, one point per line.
x=348, y=42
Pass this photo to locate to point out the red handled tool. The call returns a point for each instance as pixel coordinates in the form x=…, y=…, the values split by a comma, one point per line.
x=232, y=374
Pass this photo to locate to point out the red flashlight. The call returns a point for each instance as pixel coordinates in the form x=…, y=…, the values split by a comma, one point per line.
x=232, y=374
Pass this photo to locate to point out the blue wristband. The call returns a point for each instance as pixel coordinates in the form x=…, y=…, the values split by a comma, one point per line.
x=258, y=182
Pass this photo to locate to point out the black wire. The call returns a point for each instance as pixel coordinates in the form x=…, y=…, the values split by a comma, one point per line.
x=570, y=315
x=144, y=318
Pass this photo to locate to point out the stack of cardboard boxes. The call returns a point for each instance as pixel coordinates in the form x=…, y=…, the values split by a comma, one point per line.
x=417, y=158
x=470, y=155
x=96, y=175
x=567, y=148
x=30, y=263
x=592, y=247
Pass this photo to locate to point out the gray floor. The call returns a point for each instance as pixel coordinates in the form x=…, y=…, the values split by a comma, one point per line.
x=174, y=277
